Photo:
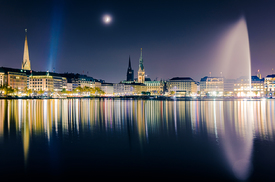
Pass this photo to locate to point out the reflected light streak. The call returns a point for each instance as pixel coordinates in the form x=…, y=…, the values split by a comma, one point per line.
x=215, y=121
x=55, y=118
x=2, y=118
x=235, y=123
x=26, y=138
x=175, y=117
x=238, y=151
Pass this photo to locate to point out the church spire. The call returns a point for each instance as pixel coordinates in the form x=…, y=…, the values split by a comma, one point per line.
x=130, y=72
x=141, y=60
x=26, y=64
x=141, y=71
x=129, y=66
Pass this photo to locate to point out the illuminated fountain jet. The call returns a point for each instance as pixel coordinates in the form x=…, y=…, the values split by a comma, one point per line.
x=237, y=133
x=233, y=55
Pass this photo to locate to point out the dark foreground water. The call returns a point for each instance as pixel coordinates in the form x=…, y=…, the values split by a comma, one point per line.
x=137, y=139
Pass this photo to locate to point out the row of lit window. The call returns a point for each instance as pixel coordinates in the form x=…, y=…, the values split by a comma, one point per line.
x=36, y=82
x=18, y=77
x=37, y=86
x=152, y=85
x=36, y=79
x=16, y=80
x=23, y=85
x=219, y=80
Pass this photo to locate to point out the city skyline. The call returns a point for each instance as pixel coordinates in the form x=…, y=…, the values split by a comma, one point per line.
x=140, y=89
x=177, y=40
x=130, y=77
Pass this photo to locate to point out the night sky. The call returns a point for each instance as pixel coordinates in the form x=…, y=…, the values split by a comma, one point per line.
x=178, y=38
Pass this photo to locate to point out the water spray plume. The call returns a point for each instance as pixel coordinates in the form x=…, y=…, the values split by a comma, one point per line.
x=235, y=60
x=232, y=55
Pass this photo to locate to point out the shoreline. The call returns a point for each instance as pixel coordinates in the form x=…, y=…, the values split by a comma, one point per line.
x=144, y=98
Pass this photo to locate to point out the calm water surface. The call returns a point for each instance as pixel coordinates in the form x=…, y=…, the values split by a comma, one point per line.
x=130, y=139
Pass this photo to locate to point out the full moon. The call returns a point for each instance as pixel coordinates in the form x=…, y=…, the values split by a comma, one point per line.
x=107, y=19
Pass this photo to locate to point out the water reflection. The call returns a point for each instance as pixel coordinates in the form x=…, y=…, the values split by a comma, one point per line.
x=231, y=124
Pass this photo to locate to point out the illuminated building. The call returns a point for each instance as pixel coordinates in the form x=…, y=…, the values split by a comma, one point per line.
x=130, y=72
x=3, y=78
x=47, y=81
x=229, y=87
x=269, y=85
x=70, y=86
x=184, y=86
x=198, y=87
x=77, y=80
x=129, y=88
x=107, y=88
x=257, y=86
x=124, y=81
x=26, y=64
x=154, y=87
x=141, y=70
x=15, y=78
x=242, y=86
x=119, y=88
x=96, y=83
x=212, y=86
x=137, y=88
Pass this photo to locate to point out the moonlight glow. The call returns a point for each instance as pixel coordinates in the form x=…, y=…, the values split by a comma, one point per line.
x=107, y=19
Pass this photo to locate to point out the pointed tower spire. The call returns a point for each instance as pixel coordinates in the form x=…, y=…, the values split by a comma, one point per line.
x=141, y=71
x=129, y=66
x=130, y=72
x=26, y=64
x=141, y=60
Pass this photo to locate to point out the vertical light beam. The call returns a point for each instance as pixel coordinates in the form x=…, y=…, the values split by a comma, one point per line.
x=55, y=33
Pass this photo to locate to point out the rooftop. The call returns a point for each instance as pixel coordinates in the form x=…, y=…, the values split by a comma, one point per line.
x=181, y=78
x=256, y=78
x=5, y=70
x=270, y=76
x=38, y=73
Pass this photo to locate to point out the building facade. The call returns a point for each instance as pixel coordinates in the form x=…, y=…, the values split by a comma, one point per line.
x=257, y=86
x=15, y=78
x=242, y=87
x=47, y=81
x=122, y=89
x=245, y=87
x=95, y=84
x=155, y=87
x=183, y=86
x=229, y=87
x=3, y=78
x=212, y=86
x=119, y=88
x=269, y=85
x=77, y=80
x=107, y=88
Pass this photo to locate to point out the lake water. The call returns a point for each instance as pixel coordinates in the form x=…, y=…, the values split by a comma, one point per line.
x=131, y=139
